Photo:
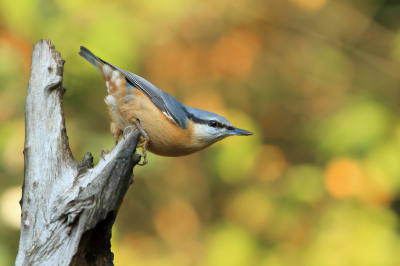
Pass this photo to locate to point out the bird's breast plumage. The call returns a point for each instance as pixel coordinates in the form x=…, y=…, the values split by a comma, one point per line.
x=128, y=104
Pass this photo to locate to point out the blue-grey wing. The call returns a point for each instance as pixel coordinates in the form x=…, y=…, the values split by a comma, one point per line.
x=167, y=104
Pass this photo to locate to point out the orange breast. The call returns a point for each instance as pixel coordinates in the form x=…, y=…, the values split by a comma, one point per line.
x=166, y=137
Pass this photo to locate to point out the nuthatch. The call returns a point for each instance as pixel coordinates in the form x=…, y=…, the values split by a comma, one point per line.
x=168, y=127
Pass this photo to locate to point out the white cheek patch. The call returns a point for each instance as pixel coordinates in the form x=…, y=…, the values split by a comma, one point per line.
x=204, y=132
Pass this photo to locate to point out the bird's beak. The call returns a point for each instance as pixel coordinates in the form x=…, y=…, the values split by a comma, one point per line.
x=239, y=132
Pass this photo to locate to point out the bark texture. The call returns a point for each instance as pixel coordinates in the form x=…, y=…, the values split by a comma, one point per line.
x=68, y=208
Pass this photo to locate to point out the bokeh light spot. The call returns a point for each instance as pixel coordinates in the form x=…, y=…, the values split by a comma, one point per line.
x=344, y=178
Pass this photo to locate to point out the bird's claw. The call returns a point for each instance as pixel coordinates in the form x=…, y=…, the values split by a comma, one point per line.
x=146, y=140
x=103, y=152
x=145, y=161
x=144, y=155
x=123, y=132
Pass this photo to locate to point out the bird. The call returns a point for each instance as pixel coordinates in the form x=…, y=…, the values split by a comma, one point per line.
x=168, y=127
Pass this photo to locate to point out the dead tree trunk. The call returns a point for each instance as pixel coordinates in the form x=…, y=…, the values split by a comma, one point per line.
x=68, y=208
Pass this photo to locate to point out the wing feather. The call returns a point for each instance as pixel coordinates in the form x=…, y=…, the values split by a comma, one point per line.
x=154, y=93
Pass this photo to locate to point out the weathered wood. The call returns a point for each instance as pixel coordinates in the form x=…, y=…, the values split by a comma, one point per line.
x=68, y=208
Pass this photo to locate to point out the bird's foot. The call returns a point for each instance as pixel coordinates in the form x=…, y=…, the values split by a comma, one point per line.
x=104, y=152
x=123, y=133
x=146, y=140
x=144, y=156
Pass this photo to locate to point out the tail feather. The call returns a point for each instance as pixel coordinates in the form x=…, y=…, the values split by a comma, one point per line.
x=90, y=57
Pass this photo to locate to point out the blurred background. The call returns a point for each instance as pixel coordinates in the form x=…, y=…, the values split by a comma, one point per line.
x=317, y=81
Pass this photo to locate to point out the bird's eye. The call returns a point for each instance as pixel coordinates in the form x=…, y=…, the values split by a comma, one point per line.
x=213, y=123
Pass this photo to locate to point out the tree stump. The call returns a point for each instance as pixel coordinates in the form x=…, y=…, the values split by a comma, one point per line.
x=68, y=208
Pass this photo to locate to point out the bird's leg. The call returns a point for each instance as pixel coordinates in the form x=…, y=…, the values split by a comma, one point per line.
x=146, y=140
x=116, y=131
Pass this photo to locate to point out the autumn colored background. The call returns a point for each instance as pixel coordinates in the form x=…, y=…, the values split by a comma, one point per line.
x=317, y=81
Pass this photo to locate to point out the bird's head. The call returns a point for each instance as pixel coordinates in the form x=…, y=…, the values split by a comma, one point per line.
x=210, y=128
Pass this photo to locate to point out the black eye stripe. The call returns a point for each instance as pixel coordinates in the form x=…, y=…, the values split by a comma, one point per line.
x=207, y=122
x=220, y=125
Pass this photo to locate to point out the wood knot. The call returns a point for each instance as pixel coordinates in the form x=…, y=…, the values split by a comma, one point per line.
x=85, y=164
